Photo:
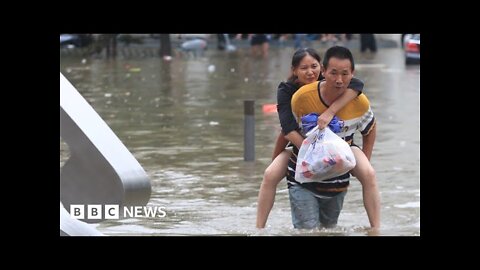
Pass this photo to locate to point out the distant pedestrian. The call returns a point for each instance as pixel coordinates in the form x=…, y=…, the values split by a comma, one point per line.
x=221, y=42
x=165, y=47
x=367, y=41
x=259, y=44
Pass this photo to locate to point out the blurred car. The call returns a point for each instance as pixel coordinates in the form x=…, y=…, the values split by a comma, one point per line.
x=75, y=40
x=411, y=47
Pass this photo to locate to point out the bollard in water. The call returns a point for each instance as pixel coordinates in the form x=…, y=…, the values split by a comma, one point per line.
x=249, y=136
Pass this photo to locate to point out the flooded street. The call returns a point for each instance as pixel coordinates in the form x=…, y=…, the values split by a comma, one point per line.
x=184, y=124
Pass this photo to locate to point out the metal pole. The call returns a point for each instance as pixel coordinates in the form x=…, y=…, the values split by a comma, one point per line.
x=249, y=136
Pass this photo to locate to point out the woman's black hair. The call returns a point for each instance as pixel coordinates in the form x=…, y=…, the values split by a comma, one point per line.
x=297, y=58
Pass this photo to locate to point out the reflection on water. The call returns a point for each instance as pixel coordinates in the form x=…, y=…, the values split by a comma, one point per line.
x=184, y=124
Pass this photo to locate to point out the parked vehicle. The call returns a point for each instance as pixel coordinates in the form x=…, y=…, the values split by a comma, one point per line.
x=411, y=47
x=75, y=40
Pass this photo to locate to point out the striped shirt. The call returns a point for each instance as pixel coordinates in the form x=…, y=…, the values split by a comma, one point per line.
x=357, y=115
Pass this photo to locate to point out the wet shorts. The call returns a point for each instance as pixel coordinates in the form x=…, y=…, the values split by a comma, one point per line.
x=258, y=39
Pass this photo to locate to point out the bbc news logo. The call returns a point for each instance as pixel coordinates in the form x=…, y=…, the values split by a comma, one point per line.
x=112, y=211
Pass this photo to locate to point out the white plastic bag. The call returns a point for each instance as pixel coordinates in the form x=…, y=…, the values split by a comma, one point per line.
x=323, y=155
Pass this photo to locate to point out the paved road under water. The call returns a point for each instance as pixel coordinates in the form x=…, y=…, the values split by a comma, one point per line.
x=184, y=124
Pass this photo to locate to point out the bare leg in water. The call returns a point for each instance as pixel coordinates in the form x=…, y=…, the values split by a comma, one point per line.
x=278, y=169
x=367, y=177
x=272, y=176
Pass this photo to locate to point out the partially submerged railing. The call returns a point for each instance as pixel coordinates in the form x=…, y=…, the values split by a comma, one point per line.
x=101, y=170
